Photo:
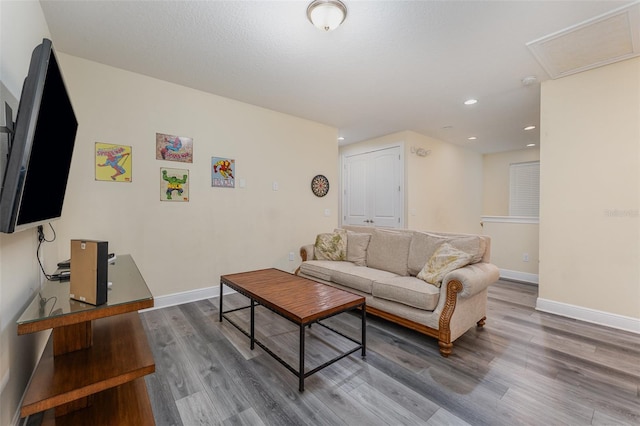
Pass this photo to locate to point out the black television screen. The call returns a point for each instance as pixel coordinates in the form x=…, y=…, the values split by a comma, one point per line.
x=37, y=171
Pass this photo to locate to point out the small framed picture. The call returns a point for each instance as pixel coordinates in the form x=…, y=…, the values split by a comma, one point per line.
x=174, y=184
x=223, y=172
x=113, y=162
x=174, y=148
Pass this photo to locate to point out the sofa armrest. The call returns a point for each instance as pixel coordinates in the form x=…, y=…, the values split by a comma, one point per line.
x=306, y=252
x=474, y=278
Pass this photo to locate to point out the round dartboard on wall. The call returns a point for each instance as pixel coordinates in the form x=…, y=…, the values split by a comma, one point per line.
x=320, y=185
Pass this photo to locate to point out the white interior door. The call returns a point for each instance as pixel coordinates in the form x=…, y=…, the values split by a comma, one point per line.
x=372, y=188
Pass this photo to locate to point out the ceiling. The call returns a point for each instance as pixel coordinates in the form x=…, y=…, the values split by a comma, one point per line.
x=391, y=66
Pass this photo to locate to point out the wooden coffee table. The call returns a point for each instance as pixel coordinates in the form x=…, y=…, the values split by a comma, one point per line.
x=301, y=301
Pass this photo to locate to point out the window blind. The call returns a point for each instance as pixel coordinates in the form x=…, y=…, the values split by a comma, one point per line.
x=524, y=189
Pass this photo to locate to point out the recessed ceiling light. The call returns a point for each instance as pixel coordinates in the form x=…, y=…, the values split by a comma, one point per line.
x=472, y=138
x=530, y=127
x=340, y=138
x=531, y=144
x=470, y=101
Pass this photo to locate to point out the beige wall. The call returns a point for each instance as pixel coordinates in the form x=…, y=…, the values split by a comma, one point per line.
x=510, y=239
x=590, y=190
x=511, y=243
x=443, y=191
x=186, y=246
x=495, y=192
x=22, y=28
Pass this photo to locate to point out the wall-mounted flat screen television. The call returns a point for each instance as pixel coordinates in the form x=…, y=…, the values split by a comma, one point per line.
x=41, y=147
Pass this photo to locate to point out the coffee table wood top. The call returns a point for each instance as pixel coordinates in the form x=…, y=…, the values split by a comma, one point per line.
x=299, y=299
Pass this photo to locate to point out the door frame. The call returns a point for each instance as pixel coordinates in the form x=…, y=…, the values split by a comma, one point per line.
x=358, y=150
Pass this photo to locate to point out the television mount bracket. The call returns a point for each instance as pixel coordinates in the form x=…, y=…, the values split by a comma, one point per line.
x=9, y=128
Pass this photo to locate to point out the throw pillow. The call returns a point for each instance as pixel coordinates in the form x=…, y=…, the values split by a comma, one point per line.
x=331, y=246
x=389, y=250
x=357, y=244
x=444, y=260
x=424, y=244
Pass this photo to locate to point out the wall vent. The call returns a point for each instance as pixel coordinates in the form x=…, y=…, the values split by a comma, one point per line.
x=608, y=38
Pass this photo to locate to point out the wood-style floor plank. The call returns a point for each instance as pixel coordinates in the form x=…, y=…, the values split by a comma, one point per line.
x=523, y=368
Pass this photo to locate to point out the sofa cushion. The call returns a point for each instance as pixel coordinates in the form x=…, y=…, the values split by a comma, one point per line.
x=358, y=277
x=320, y=269
x=389, y=250
x=407, y=290
x=357, y=244
x=446, y=259
x=331, y=246
x=424, y=244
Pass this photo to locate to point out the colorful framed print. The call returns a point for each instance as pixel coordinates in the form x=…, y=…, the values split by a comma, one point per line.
x=113, y=162
x=174, y=148
x=223, y=172
x=174, y=184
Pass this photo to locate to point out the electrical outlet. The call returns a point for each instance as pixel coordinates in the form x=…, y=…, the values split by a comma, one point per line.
x=291, y=256
x=525, y=257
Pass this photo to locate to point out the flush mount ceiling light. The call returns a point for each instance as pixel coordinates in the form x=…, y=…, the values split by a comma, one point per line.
x=326, y=14
x=471, y=101
x=529, y=127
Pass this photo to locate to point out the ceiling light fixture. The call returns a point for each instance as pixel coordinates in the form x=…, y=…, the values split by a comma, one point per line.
x=531, y=144
x=340, y=138
x=470, y=101
x=326, y=14
x=472, y=138
x=529, y=127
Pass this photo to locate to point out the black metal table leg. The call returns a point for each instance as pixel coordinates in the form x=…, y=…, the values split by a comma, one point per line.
x=221, y=284
x=301, y=369
x=253, y=310
x=364, y=332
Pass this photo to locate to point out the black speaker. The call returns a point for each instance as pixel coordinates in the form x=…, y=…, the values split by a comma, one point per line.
x=89, y=263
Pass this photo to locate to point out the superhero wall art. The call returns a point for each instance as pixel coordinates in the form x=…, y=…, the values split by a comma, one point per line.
x=174, y=148
x=113, y=162
x=223, y=172
x=174, y=184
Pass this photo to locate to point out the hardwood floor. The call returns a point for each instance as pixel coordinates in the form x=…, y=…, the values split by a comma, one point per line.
x=524, y=368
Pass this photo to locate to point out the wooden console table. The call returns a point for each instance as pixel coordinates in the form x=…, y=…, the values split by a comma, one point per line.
x=92, y=369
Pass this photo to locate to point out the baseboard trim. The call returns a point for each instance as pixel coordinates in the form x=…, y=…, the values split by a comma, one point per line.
x=186, y=297
x=519, y=276
x=607, y=319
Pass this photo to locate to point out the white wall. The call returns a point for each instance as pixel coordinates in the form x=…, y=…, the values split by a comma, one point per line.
x=590, y=193
x=443, y=191
x=22, y=28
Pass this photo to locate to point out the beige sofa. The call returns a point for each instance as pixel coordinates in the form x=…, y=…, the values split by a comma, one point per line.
x=384, y=265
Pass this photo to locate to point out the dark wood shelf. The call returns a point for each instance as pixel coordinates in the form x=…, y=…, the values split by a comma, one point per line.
x=92, y=369
x=127, y=404
x=120, y=353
